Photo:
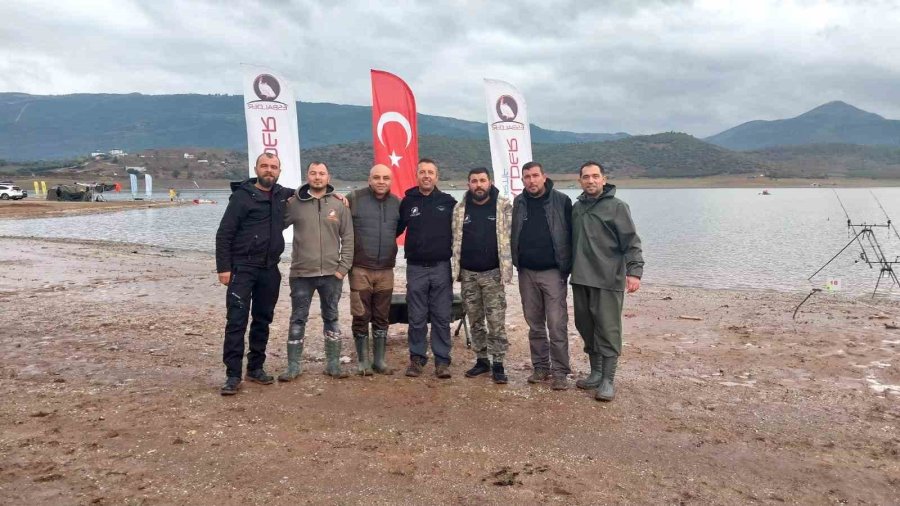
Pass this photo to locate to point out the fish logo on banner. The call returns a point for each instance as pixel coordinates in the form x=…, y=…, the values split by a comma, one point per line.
x=509, y=135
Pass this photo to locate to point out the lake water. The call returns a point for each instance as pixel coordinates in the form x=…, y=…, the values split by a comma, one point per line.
x=715, y=238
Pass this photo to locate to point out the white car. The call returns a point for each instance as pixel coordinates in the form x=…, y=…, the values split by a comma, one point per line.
x=11, y=192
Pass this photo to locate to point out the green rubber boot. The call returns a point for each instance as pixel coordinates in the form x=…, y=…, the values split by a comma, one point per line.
x=379, y=338
x=333, y=356
x=294, y=369
x=363, y=365
x=606, y=391
x=593, y=380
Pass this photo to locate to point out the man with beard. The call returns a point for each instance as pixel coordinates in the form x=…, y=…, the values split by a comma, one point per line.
x=541, y=247
x=425, y=215
x=482, y=264
x=375, y=215
x=606, y=262
x=249, y=244
x=322, y=253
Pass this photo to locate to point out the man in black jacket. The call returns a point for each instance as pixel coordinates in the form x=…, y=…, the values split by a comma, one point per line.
x=249, y=244
x=426, y=214
x=541, y=244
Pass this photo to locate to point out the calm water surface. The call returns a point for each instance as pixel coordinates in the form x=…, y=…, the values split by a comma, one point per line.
x=716, y=238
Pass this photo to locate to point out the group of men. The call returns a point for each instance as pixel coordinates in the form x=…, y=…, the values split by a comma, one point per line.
x=476, y=241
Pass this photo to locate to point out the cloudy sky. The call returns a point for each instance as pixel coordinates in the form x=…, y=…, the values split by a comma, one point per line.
x=590, y=66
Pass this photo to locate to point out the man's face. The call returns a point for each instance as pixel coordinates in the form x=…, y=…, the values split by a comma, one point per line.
x=380, y=180
x=479, y=186
x=592, y=180
x=535, y=181
x=317, y=176
x=267, y=171
x=427, y=176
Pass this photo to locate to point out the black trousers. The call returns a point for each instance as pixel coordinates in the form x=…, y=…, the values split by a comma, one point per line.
x=251, y=291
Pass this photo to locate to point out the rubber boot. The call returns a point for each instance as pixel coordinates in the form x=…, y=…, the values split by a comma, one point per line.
x=379, y=338
x=606, y=391
x=333, y=356
x=294, y=352
x=593, y=379
x=363, y=366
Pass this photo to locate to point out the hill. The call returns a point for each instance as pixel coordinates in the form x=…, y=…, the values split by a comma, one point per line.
x=39, y=127
x=831, y=123
x=827, y=160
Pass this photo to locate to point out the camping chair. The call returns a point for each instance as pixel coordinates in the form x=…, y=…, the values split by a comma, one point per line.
x=400, y=314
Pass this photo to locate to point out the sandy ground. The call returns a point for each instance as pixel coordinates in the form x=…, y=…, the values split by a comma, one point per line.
x=112, y=364
x=39, y=208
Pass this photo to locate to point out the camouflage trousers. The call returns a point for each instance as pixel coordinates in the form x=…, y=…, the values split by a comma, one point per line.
x=484, y=299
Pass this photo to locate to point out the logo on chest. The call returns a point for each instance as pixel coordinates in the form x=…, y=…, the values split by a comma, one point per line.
x=414, y=212
x=332, y=215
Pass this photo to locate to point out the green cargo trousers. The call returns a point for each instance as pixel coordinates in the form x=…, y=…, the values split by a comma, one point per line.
x=598, y=318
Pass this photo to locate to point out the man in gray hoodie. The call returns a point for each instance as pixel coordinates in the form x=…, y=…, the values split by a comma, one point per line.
x=606, y=262
x=321, y=256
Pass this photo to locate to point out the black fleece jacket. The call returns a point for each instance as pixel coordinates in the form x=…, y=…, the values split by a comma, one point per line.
x=427, y=221
x=250, y=231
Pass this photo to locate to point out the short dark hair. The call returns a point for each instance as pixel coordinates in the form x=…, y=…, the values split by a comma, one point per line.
x=588, y=164
x=427, y=160
x=479, y=170
x=531, y=165
x=266, y=154
x=316, y=162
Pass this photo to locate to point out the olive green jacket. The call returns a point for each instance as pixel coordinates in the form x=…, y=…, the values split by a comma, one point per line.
x=605, y=244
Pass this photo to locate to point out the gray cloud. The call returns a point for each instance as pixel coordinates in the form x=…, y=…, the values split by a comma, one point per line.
x=639, y=67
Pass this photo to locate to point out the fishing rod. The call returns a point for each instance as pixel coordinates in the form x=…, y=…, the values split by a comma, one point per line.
x=896, y=234
x=868, y=243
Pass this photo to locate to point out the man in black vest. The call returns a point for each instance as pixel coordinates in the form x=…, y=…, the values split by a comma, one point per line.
x=375, y=215
x=425, y=215
x=249, y=244
x=541, y=243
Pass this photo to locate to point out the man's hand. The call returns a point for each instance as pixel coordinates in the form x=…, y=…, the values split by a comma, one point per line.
x=338, y=275
x=224, y=278
x=632, y=284
x=342, y=198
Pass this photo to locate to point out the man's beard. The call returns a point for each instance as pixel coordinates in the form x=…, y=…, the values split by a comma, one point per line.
x=266, y=181
x=484, y=196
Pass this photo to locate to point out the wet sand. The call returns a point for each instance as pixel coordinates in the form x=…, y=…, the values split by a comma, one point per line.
x=23, y=209
x=109, y=394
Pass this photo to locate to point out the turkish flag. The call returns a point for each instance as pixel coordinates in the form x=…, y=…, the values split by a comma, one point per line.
x=394, y=136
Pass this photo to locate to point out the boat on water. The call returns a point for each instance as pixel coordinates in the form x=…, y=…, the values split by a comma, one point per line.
x=765, y=192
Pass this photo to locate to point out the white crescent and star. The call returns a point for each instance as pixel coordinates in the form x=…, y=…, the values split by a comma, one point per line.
x=394, y=117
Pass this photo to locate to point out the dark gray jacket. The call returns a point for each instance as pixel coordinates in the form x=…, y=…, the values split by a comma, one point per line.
x=605, y=242
x=558, y=209
x=374, y=229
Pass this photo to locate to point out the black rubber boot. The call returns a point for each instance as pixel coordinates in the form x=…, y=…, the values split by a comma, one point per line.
x=363, y=366
x=294, y=353
x=379, y=338
x=498, y=374
x=607, y=391
x=593, y=379
x=482, y=365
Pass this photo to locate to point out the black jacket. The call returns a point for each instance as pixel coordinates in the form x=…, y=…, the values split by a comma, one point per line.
x=428, y=222
x=558, y=209
x=250, y=232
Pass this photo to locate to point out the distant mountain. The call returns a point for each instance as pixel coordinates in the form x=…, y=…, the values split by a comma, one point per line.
x=660, y=155
x=827, y=160
x=34, y=127
x=831, y=123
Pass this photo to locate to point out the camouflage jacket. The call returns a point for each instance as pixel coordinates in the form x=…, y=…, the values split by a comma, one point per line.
x=504, y=222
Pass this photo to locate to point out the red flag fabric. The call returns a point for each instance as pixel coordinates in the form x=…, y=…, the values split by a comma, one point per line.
x=394, y=135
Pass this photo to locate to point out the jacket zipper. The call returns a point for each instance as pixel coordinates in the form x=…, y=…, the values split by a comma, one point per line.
x=321, y=243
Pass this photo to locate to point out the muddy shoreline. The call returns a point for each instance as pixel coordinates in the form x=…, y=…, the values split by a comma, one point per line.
x=109, y=394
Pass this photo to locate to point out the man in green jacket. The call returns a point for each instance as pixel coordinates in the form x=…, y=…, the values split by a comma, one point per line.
x=606, y=262
x=321, y=256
